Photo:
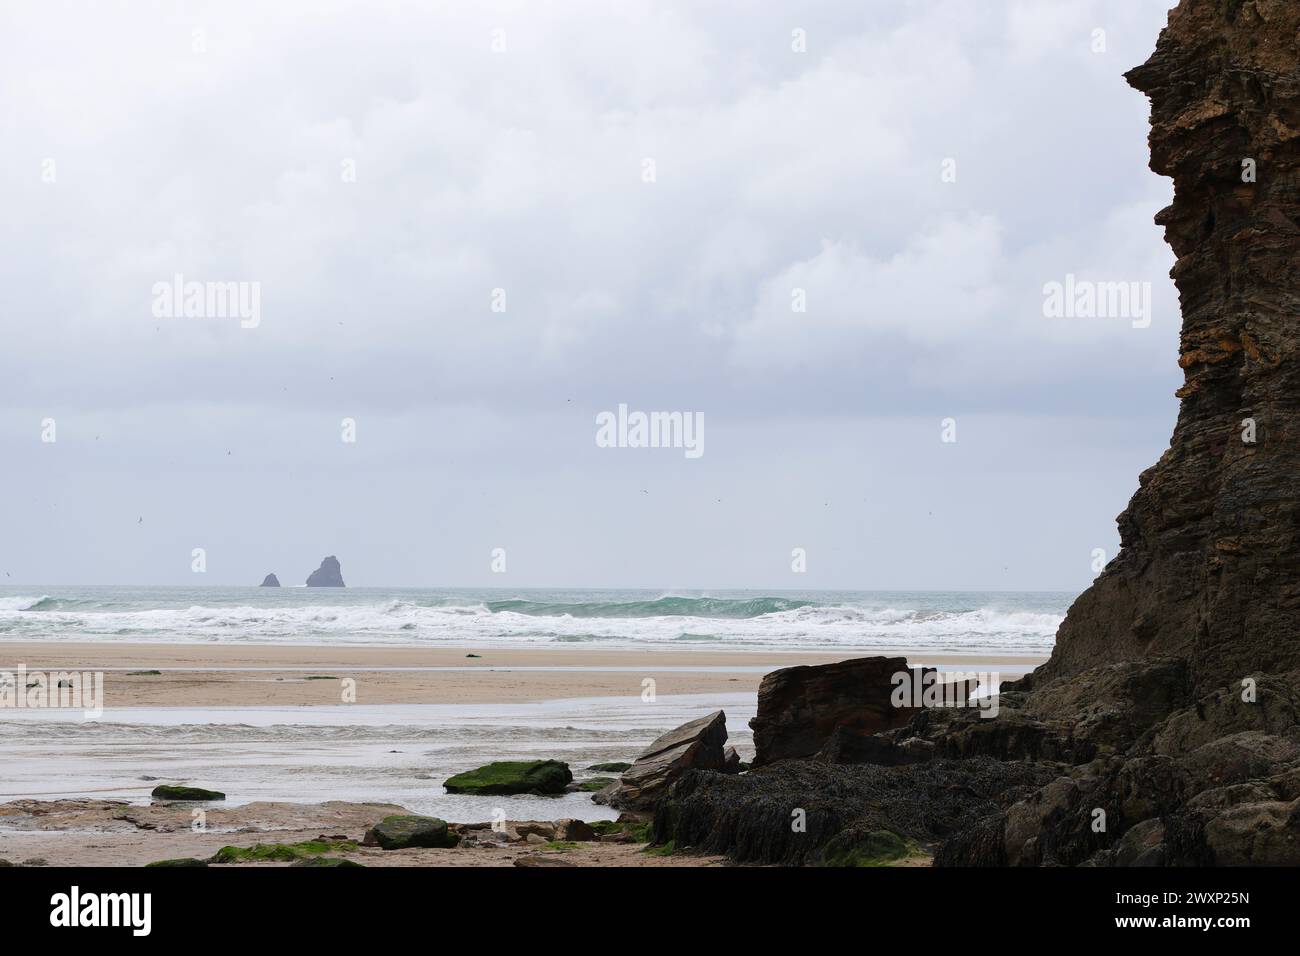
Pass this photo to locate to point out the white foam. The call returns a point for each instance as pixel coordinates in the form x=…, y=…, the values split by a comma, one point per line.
x=398, y=622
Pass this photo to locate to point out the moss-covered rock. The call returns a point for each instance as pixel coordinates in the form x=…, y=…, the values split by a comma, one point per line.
x=170, y=792
x=614, y=767
x=402, y=831
x=513, y=776
x=280, y=852
x=179, y=861
x=595, y=783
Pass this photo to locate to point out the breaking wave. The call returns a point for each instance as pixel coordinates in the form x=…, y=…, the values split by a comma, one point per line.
x=748, y=621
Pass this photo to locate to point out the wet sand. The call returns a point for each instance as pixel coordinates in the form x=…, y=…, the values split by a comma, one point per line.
x=235, y=675
x=112, y=833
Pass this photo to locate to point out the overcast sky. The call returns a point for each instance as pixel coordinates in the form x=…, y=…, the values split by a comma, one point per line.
x=649, y=184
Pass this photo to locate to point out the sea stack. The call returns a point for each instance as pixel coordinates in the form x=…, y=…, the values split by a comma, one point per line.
x=270, y=581
x=328, y=575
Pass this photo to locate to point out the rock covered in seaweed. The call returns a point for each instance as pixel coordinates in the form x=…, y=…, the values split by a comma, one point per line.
x=504, y=777
x=804, y=812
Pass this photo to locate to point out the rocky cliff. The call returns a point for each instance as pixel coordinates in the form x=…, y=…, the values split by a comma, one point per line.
x=1211, y=540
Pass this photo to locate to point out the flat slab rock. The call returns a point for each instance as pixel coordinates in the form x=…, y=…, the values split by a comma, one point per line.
x=695, y=745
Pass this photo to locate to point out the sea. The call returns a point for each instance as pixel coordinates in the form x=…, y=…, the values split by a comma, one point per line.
x=1012, y=622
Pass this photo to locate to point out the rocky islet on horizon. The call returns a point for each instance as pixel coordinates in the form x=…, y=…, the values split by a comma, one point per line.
x=328, y=575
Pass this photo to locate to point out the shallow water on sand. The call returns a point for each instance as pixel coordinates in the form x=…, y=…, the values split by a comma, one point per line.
x=392, y=754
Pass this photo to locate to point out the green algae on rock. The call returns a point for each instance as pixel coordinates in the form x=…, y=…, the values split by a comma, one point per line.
x=513, y=776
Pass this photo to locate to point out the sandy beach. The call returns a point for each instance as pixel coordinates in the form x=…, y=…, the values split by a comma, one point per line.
x=232, y=675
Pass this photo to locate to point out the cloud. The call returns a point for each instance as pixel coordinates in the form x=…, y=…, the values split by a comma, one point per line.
x=523, y=170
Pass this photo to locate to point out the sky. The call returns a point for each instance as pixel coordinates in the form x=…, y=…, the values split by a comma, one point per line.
x=823, y=229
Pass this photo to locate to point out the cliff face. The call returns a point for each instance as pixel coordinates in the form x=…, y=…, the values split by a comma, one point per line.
x=1210, y=562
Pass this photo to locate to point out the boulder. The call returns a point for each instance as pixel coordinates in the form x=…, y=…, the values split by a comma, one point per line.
x=800, y=708
x=169, y=792
x=513, y=776
x=1143, y=845
x=184, y=861
x=1256, y=834
x=575, y=831
x=328, y=575
x=402, y=831
x=270, y=581
x=523, y=830
x=696, y=745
